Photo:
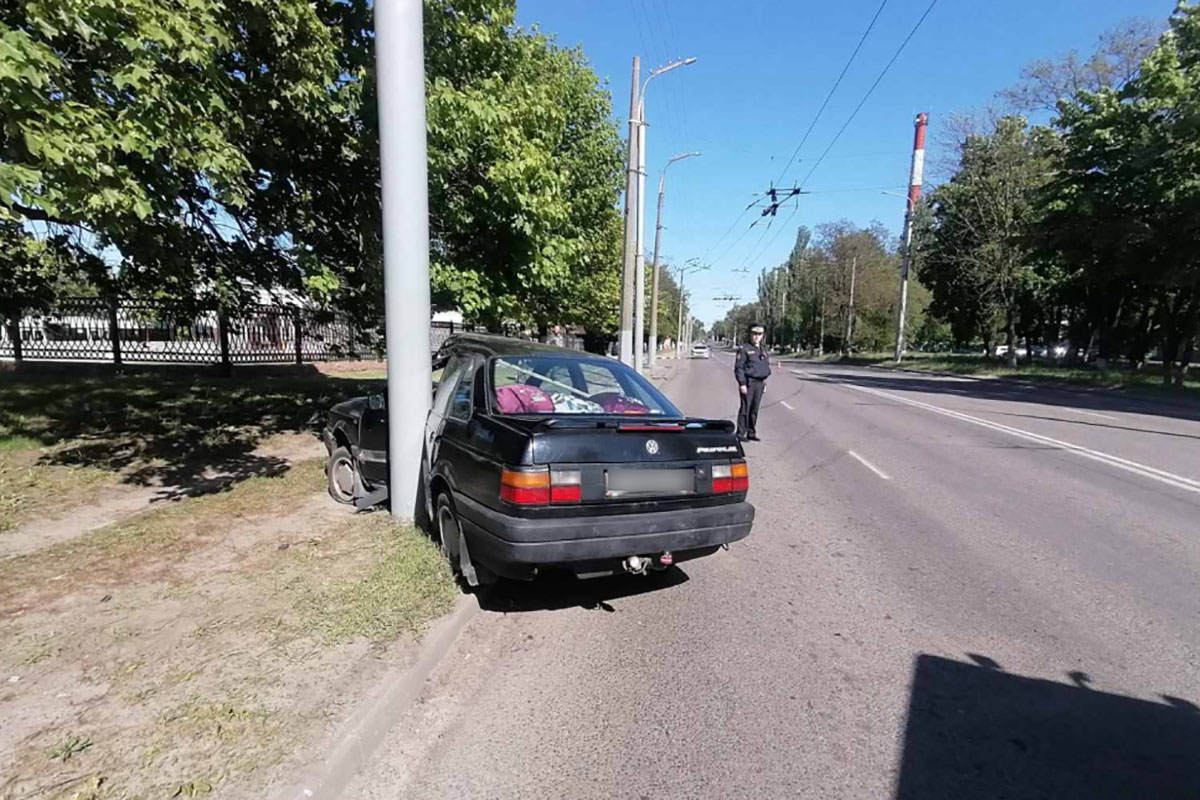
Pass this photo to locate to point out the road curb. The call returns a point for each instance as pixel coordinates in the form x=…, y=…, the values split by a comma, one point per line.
x=362, y=733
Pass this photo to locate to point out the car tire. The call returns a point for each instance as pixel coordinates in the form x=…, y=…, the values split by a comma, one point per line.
x=454, y=545
x=341, y=477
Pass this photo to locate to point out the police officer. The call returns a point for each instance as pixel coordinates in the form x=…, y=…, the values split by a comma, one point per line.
x=751, y=367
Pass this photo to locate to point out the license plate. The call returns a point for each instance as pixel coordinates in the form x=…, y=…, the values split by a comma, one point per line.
x=625, y=482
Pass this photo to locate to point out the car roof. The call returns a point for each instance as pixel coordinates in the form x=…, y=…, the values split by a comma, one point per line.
x=505, y=346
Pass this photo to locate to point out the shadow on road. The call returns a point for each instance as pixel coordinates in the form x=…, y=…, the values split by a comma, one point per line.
x=975, y=732
x=562, y=590
x=1010, y=391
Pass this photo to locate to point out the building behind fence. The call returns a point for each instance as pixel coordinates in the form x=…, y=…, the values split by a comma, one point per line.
x=141, y=332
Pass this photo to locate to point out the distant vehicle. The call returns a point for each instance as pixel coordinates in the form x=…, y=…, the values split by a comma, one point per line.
x=700, y=350
x=538, y=457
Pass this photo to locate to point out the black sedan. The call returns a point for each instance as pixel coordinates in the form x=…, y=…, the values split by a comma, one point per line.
x=538, y=457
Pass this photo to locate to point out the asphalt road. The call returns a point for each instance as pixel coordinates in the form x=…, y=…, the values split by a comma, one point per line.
x=954, y=588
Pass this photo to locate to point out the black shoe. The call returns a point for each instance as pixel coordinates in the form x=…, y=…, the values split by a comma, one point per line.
x=742, y=438
x=754, y=437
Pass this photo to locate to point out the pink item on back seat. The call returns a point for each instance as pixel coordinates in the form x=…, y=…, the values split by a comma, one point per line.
x=617, y=403
x=518, y=398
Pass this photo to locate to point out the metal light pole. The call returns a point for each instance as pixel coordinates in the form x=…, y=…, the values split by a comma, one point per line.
x=625, y=337
x=914, y=196
x=679, y=333
x=400, y=67
x=658, y=227
x=639, y=262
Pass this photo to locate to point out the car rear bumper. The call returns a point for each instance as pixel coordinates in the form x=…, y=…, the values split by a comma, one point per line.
x=501, y=539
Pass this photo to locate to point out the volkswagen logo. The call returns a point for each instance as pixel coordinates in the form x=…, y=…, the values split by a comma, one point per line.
x=651, y=446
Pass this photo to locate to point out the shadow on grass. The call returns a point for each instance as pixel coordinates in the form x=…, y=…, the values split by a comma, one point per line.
x=195, y=433
x=976, y=732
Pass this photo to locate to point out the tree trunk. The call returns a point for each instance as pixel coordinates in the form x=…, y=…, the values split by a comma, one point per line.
x=1010, y=331
x=1184, y=360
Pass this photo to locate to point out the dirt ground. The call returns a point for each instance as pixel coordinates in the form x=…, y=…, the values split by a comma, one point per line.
x=183, y=610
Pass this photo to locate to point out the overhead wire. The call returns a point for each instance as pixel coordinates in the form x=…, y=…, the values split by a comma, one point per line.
x=829, y=96
x=811, y=126
x=854, y=113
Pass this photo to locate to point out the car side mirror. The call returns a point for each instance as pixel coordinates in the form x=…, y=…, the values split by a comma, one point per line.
x=375, y=402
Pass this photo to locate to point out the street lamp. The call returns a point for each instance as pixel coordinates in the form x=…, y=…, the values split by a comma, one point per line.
x=691, y=266
x=639, y=258
x=658, y=226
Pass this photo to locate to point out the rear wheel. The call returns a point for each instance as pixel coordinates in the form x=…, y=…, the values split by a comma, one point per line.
x=454, y=545
x=341, y=474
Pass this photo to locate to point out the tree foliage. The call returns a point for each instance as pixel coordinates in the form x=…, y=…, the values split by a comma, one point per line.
x=201, y=149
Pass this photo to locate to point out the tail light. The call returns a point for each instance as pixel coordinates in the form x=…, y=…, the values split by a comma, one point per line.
x=537, y=487
x=566, y=486
x=734, y=477
x=525, y=487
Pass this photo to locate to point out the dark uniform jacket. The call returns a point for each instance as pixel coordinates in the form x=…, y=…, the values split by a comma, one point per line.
x=751, y=363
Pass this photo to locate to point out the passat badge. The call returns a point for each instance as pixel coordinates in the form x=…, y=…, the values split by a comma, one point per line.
x=651, y=446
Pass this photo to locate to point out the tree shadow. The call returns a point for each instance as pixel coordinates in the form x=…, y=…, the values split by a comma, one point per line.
x=976, y=732
x=186, y=430
x=1115, y=401
x=558, y=591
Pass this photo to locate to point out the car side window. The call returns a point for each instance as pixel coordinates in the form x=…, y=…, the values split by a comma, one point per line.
x=460, y=400
x=448, y=383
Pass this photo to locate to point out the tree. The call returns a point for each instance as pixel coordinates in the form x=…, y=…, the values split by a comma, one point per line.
x=979, y=262
x=1122, y=213
x=1116, y=61
x=210, y=147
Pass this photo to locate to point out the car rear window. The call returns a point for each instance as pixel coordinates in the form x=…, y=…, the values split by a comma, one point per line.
x=558, y=385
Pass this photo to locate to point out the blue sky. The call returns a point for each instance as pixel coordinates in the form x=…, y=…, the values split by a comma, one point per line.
x=763, y=68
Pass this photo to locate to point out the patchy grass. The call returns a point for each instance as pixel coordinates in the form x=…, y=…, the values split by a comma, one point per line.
x=408, y=581
x=62, y=436
x=120, y=551
x=203, y=648
x=1145, y=380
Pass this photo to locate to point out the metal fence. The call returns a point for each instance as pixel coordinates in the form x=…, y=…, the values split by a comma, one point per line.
x=129, y=331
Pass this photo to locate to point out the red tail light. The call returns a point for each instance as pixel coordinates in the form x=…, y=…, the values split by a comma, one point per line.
x=566, y=486
x=537, y=487
x=525, y=487
x=733, y=477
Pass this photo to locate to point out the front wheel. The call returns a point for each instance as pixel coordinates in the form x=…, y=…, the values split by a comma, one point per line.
x=342, y=478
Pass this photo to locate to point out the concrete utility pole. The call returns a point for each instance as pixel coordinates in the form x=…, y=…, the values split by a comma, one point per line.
x=639, y=263
x=680, y=335
x=400, y=67
x=914, y=196
x=850, y=308
x=625, y=337
x=658, y=228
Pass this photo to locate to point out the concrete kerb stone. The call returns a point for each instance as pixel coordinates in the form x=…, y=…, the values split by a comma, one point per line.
x=363, y=731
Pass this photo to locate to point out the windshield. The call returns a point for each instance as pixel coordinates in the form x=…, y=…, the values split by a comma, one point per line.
x=555, y=385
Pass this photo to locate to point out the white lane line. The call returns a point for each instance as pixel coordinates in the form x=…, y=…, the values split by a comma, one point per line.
x=1162, y=476
x=784, y=403
x=869, y=465
x=1090, y=413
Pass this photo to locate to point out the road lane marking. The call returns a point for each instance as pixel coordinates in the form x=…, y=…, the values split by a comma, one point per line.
x=1162, y=476
x=1079, y=410
x=784, y=403
x=869, y=465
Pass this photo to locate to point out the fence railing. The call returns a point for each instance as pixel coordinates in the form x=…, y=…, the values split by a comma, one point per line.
x=135, y=331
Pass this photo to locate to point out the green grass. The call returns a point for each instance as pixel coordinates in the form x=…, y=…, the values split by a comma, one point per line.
x=168, y=531
x=60, y=434
x=402, y=582
x=1148, y=379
